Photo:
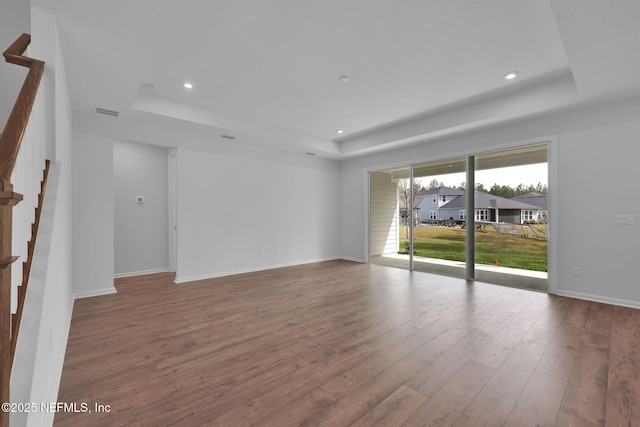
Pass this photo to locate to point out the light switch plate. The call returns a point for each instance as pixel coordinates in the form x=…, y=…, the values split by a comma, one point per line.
x=625, y=219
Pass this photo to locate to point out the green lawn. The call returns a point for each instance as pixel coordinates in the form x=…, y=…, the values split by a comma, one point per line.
x=510, y=250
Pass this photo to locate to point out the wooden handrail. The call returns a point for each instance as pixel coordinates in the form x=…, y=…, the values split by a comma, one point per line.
x=10, y=142
x=11, y=138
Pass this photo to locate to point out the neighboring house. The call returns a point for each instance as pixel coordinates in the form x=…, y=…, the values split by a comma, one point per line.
x=436, y=198
x=491, y=208
x=536, y=199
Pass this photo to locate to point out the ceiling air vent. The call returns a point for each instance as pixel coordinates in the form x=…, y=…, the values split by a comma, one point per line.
x=231, y=137
x=107, y=112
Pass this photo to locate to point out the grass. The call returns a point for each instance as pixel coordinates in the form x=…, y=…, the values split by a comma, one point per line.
x=510, y=250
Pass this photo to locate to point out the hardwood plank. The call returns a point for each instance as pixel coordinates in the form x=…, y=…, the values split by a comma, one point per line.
x=539, y=403
x=306, y=409
x=623, y=400
x=623, y=386
x=339, y=343
x=498, y=398
x=444, y=408
x=586, y=395
x=394, y=410
x=356, y=398
x=503, y=343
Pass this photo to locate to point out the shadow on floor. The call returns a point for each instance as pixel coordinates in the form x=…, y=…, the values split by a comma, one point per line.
x=505, y=276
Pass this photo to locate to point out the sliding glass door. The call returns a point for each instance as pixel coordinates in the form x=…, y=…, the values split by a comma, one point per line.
x=479, y=217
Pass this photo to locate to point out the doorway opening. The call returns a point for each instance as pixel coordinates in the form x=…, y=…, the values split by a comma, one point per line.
x=481, y=216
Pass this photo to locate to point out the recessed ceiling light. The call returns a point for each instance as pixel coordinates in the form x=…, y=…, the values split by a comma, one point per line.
x=344, y=79
x=188, y=85
x=339, y=131
x=511, y=75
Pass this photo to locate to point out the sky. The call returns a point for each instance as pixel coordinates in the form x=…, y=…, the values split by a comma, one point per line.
x=512, y=176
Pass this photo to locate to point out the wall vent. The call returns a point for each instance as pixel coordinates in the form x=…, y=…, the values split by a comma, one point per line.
x=107, y=112
x=149, y=87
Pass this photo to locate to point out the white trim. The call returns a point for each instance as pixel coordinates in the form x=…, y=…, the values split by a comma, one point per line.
x=95, y=293
x=348, y=258
x=599, y=298
x=141, y=272
x=186, y=279
x=484, y=211
x=367, y=216
x=476, y=151
x=552, y=215
x=172, y=197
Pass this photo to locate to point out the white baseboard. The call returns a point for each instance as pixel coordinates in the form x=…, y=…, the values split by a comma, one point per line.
x=346, y=258
x=186, y=279
x=96, y=293
x=598, y=298
x=141, y=272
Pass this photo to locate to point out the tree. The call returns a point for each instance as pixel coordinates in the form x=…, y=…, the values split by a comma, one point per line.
x=435, y=184
x=509, y=192
x=406, y=192
x=541, y=188
x=480, y=187
x=502, y=191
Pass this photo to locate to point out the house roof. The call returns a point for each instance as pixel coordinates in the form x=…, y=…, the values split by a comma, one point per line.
x=487, y=201
x=445, y=191
x=535, y=199
x=287, y=75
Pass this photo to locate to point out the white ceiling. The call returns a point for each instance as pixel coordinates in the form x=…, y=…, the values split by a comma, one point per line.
x=267, y=71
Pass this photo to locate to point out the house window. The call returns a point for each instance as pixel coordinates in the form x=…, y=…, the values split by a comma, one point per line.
x=433, y=214
x=462, y=214
x=435, y=199
x=527, y=215
x=444, y=198
x=482, y=215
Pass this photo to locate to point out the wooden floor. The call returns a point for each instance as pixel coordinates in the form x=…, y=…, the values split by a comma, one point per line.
x=339, y=344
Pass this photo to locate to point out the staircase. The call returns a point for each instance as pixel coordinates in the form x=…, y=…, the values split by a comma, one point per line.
x=10, y=142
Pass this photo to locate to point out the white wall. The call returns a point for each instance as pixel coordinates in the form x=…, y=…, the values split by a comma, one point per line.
x=141, y=229
x=14, y=20
x=600, y=166
x=47, y=314
x=597, y=152
x=219, y=194
x=92, y=215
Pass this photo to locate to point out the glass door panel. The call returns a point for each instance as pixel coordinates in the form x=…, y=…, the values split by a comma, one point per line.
x=510, y=217
x=440, y=210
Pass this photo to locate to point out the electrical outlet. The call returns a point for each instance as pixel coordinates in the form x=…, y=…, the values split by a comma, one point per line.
x=575, y=271
x=261, y=252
